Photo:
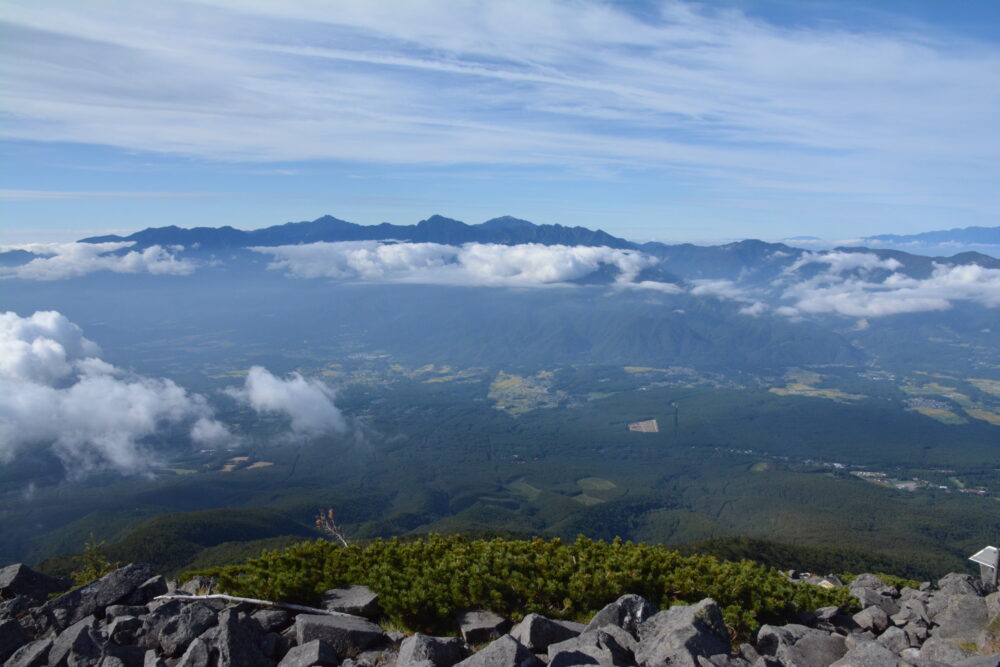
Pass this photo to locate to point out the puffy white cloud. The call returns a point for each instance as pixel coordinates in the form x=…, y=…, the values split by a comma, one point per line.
x=842, y=262
x=57, y=261
x=523, y=265
x=726, y=289
x=55, y=391
x=309, y=404
x=897, y=293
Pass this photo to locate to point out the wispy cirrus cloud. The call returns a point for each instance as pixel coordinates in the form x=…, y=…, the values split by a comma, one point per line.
x=709, y=95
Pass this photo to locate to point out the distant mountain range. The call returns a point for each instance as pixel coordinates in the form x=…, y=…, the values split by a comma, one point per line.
x=435, y=229
x=964, y=235
x=749, y=260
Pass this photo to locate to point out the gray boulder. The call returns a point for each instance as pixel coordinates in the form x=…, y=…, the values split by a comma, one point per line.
x=178, y=631
x=347, y=635
x=480, y=626
x=311, y=654
x=198, y=654
x=12, y=637
x=682, y=634
x=942, y=651
x=354, y=600
x=592, y=647
x=627, y=612
x=122, y=629
x=113, y=588
x=19, y=579
x=798, y=645
x=198, y=585
x=964, y=619
x=16, y=606
x=32, y=654
x=980, y=661
x=869, y=598
x=537, y=632
x=504, y=652
x=960, y=584
x=272, y=620
x=424, y=651
x=237, y=642
x=77, y=646
x=872, y=619
x=895, y=639
x=868, y=654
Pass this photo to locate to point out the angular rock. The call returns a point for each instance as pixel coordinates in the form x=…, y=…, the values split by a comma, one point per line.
x=942, y=651
x=114, y=611
x=504, y=652
x=354, y=600
x=964, y=620
x=149, y=589
x=123, y=656
x=175, y=635
x=872, y=582
x=424, y=651
x=799, y=645
x=627, y=612
x=347, y=635
x=79, y=645
x=872, y=619
x=32, y=654
x=980, y=661
x=12, y=637
x=870, y=598
x=237, y=641
x=274, y=646
x=19, y=579
x=153, y=660
x=591, y=647
x=16, y=606
x=198, y=654
x=480, y=626
x=960, y=584
x=311, y=654
x=272, y=620
x=122, y=630
x=868, y=654
x=537, y=632
x=682, y=634
x=895, y=639
x=112, y=588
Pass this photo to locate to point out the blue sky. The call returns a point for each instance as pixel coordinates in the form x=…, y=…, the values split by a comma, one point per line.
x=654, y=120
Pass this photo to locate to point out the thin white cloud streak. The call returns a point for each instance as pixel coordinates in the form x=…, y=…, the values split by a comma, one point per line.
x=55, y=392
x=482, y=264
x=48, y=195
x=307, y=403
x=709, y=94
x=58, y=261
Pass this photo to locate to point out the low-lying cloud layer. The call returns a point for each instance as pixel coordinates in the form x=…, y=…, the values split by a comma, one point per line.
x=57, y=261
x=55, y=390
x=840, y=291
x=307, y=403
x=486, y=264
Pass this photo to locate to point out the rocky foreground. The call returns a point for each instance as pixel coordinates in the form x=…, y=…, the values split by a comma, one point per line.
x=124, y=620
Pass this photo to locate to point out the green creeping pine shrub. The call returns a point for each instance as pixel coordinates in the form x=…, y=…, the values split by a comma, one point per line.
x=92, y=564
x=887, y=579
x=422, y=583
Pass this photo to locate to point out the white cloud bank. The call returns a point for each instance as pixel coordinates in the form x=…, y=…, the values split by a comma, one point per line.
x=852, y=287
x=57, y=261
x=481, y=264
x=55, y=391
x=307, y=403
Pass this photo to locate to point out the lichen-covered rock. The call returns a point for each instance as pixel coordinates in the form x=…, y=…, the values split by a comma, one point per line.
x=537, y=632
x=347, y=635
x=627, y=612
x=504, y=652
x=479, y=626
x=682, y=634
x=19, y=579
x=354, y=600
x=113, y=588
x=424, y=651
